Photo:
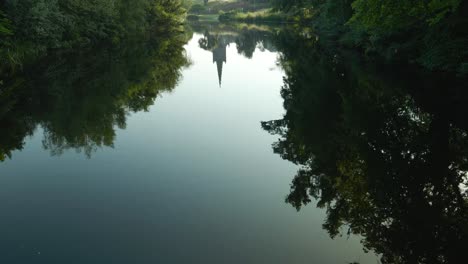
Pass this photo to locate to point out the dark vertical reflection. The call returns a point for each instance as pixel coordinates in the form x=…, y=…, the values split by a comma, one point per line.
x=385, y=154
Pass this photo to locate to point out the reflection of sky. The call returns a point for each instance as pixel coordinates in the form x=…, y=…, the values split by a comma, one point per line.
x=237, y=66
x=194, y=180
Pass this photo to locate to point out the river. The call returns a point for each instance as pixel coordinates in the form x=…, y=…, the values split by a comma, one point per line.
x=98, y=171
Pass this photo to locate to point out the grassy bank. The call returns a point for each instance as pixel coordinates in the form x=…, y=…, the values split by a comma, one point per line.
x=264, y=15
x=231, y=10
x=245, y=12
x=216, y=6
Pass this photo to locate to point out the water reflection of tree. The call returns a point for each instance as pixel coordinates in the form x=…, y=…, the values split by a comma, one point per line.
x=79, y=98
x=246, y=39
x=385, y=163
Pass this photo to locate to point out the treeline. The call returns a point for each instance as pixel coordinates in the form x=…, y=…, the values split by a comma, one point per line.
x=31, y=28
x=431, y=33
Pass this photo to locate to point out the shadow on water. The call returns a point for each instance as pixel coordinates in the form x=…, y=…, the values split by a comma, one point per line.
x=383, y=150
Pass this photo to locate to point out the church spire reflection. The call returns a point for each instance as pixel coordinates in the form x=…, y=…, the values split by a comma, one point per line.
x=216, y=40
x=219, y=56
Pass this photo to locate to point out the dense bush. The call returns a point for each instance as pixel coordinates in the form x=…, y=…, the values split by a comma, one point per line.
x=432, y=33
x=4, y=25
x=43, y=25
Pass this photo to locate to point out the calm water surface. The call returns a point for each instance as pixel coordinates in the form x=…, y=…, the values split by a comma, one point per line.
x=98, y=169
x=192, y=180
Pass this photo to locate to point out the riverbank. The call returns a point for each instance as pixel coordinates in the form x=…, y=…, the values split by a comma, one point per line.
x=242, y=11
x=265, y=15
x=269, y=15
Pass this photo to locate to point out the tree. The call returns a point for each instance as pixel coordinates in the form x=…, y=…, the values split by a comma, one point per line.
x=432, y=33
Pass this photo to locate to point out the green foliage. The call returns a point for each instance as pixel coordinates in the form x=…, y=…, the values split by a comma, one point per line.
x=45, y=25
x=387, y=17
x=289, y=4
x=258, y=16
x=5, y=25
x=432, y=33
